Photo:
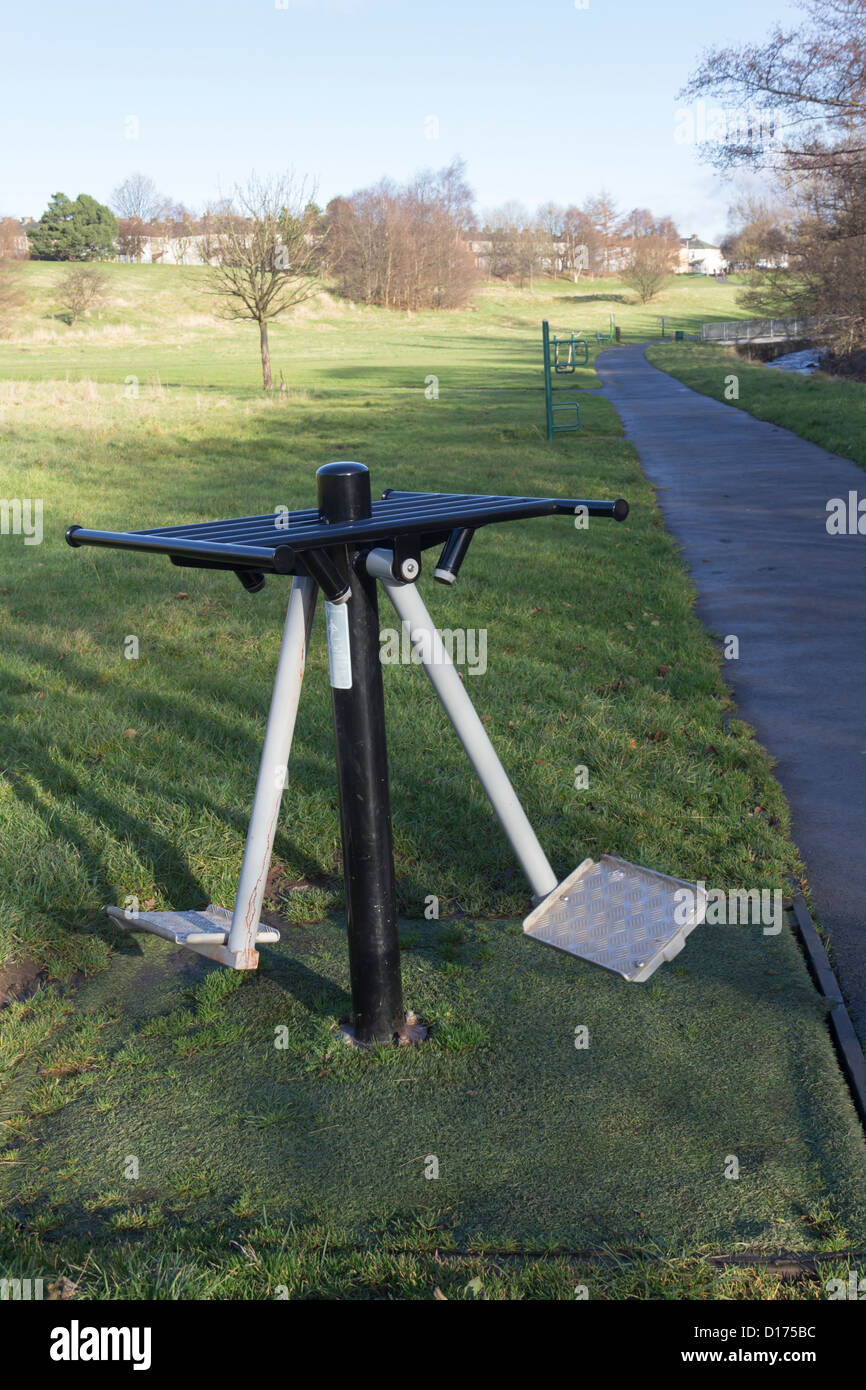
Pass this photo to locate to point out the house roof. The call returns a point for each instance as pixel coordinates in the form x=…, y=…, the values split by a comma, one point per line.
x=694, y=243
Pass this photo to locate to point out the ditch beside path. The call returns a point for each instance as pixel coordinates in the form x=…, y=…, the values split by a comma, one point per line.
x=747, y=501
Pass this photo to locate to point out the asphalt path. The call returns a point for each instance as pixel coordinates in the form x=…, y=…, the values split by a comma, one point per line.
x=747, y=502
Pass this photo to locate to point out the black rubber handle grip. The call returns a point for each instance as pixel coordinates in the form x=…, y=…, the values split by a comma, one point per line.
x=618, y=510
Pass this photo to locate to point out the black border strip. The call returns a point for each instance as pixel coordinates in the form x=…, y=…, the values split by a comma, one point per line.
x=844, y=1036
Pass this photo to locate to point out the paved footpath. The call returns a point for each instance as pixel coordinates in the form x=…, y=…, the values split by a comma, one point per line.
x=747, y=502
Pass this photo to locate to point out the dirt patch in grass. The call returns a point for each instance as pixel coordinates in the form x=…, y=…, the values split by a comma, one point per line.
x=20, y=980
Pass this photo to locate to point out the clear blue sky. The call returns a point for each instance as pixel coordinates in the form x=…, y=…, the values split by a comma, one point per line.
x=542, y=99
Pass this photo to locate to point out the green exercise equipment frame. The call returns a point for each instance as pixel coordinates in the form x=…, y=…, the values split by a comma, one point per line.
x=560, y=359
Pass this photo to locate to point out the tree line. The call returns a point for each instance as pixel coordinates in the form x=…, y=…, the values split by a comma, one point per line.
x=803, y=225
x=407, y=246
x=268, y=246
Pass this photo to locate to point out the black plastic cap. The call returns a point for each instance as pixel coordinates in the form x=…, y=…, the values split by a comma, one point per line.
x=620, y=509
x=453, y=555
x=252, y=580
x=70, y=536
x=344, y=491
x=284, y=559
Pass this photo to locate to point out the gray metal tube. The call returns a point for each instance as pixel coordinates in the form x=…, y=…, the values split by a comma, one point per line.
x=272, y=772
x=411, y=609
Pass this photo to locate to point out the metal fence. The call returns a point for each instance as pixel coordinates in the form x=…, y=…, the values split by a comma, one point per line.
x=763, y=330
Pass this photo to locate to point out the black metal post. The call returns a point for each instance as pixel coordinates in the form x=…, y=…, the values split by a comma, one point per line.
x=362, y=774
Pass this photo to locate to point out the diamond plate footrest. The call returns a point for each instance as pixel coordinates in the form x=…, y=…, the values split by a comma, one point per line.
x=619, y=915
x=210, y=927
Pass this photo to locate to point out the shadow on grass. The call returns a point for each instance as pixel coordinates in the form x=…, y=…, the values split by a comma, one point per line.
x=538, y=1144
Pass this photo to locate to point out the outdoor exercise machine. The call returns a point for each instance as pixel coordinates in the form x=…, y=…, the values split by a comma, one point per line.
x=561, y=356
x=612, y=913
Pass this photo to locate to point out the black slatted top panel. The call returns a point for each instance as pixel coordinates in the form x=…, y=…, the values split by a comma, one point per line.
x=397, y=514
x=274, y=540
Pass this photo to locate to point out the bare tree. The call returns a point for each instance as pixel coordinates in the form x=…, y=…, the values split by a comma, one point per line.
x=802, y=98
x=138, y=205
x=759, y=237
x=550, y=228
x=13, y=240
x=405, y=247
x=501, y=229
x=138, y=199
x=550, y=218
x=11, y=297
x=81, y=287
x=131, y=237
x=528, y=243
x=651, y=260
x=438, y=208
x=605, y=218
x=580, y=241
x=264, y=253
x=451, y=194
x=799, y=97
x=514, y=242
x=639, y=222
x=13, y=249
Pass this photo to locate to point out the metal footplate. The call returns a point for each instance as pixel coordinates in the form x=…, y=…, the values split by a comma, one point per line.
x=619, y=915
x=206, y=931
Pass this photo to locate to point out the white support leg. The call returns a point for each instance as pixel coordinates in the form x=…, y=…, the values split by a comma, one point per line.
x=621, y=916
x=240, y=948
x=215, y=932
x=411, y=609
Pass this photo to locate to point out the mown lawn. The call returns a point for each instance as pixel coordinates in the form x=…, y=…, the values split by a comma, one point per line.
x=828, y=410
x=159, y=326
x=134, y=778
x=310, y=1167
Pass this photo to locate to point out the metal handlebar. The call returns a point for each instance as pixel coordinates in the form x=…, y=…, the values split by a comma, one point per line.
x=307, y=542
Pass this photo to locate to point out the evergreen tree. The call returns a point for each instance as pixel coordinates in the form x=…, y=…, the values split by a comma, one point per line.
x=83, y=230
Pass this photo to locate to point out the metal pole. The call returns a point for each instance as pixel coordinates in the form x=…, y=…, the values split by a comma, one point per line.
x=272, y=775
x=548, y=395
x=362, y=772
x=412, y=610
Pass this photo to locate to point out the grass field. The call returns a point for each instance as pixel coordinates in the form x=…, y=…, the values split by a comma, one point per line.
x=828, y=410
x=304, y=1167
x=159, y=326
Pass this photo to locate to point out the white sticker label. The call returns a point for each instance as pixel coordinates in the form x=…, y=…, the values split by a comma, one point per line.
x=339, y=655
